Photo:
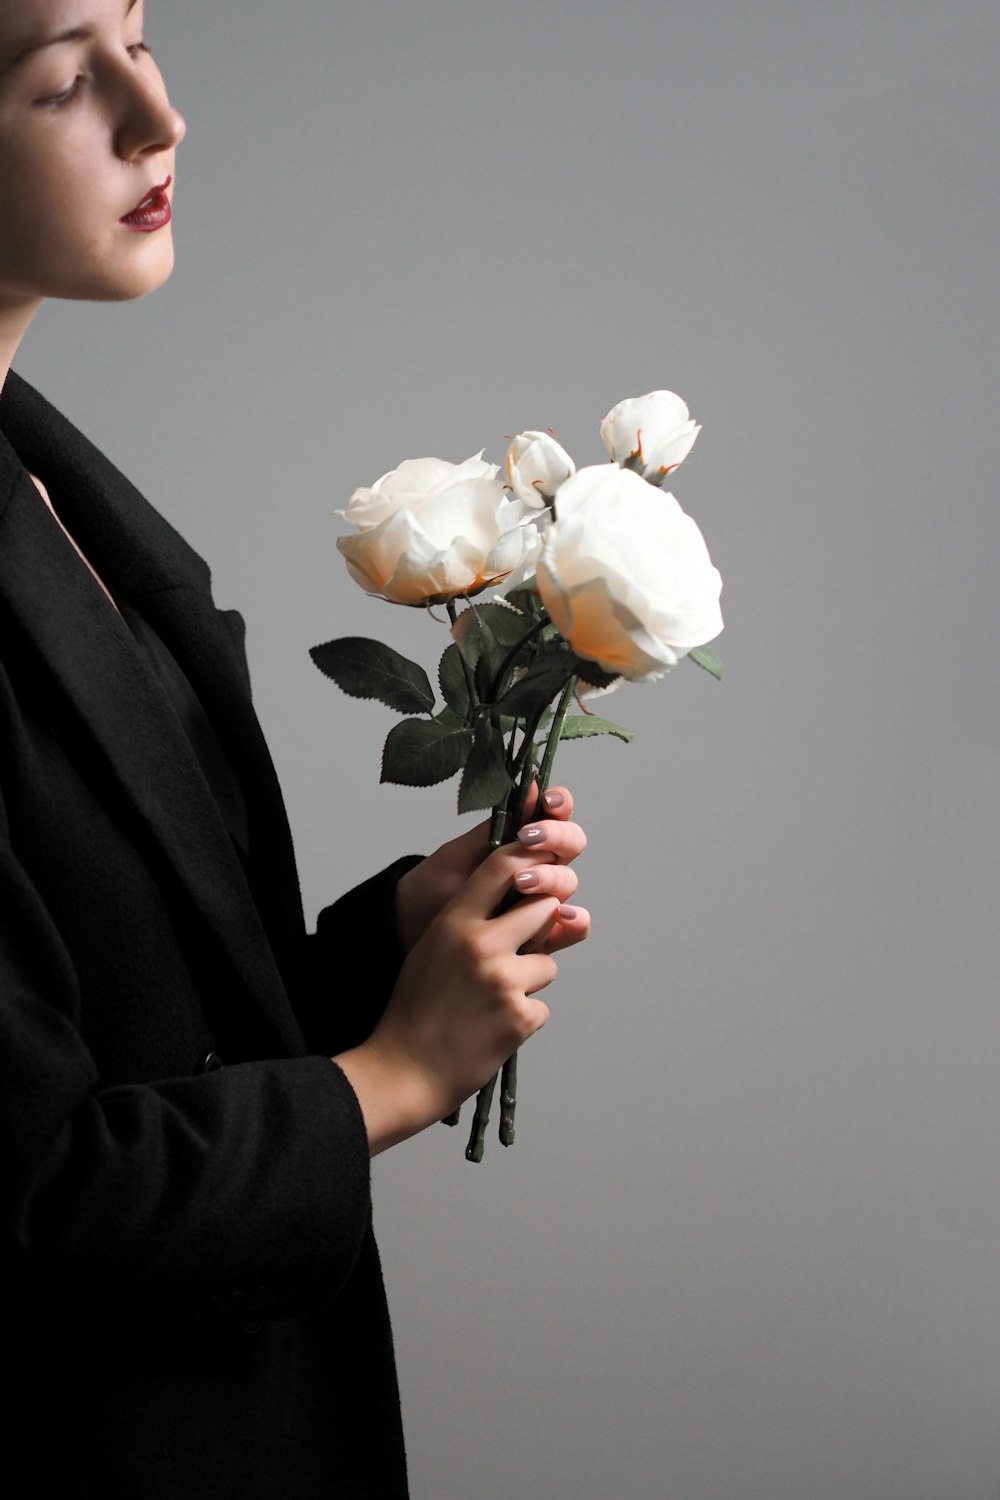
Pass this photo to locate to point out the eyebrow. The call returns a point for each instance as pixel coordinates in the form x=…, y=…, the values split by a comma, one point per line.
x=74, y=34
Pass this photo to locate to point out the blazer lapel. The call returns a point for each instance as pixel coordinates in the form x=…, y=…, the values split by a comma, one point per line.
x=94, y=661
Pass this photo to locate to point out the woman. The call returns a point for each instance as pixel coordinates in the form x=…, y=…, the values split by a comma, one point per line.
x=188, y=1097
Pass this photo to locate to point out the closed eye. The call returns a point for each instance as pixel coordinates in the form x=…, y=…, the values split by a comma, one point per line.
x=55, y=101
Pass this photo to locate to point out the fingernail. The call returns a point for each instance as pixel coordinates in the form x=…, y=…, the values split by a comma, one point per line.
x=553, y=799
x=531, y=837
x=567, y=913
x=526, y=880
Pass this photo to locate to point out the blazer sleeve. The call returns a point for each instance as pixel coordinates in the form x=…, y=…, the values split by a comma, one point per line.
x=250, y=1181
x=356, y=932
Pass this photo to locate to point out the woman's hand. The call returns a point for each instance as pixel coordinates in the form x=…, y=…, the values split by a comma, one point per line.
x=466, y=999
x=424, y=891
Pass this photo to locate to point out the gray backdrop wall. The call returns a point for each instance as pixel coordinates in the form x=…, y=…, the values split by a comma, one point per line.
x=748, y=1243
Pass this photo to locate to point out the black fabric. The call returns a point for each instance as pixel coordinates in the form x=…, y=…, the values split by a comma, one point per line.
x=194, y=1301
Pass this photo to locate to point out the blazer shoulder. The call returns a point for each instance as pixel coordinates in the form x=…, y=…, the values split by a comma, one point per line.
x=102, y=508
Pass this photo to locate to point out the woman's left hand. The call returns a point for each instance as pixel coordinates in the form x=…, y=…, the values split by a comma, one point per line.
x=429, y=886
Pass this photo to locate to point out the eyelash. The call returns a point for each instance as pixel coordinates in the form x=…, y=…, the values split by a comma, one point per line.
x=58, y=101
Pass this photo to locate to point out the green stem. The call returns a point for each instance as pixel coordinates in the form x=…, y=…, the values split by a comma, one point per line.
x=552, y=743
x=496, y=686
x=524, y=766
x=508, y=1100
x=470, y=681
x=480, y=1120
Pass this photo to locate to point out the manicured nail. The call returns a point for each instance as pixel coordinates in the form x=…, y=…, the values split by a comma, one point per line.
x=532, y=837
x=553, y=799
x=527, y=880
x=567, y=913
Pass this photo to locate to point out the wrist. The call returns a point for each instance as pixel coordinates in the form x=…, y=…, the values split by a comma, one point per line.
x=397, y=1099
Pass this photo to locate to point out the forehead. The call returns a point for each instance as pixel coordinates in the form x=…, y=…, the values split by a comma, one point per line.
x=26, y=22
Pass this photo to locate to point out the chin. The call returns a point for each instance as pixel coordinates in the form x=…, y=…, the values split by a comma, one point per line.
x=127, y=283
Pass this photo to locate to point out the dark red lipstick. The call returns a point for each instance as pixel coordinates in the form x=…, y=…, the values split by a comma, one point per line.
x=153, y=212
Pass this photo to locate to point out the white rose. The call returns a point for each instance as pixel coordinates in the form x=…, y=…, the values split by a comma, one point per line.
x=536, y=465
x=430, y=531
x=625, y=575
x=652, y=434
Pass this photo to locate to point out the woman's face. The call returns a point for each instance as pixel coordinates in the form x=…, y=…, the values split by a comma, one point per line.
x=87, y=135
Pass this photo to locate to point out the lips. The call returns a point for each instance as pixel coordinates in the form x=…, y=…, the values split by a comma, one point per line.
x=151, y=212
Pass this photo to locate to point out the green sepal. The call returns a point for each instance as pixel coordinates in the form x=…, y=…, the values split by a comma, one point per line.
x=485, y=781
x=593, y=675
x=422, y=752
x=706, y=658
x=582, y=726
x=369, y=669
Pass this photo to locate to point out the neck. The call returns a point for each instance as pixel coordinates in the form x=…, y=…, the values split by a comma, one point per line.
x=15, y=315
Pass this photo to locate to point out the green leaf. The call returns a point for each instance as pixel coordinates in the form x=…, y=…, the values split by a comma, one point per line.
x=489, y=630
x=705, y=657
x=525, y=598
x=485, y=781
x=545, y=677
x=454, y=687
x=368, y=669
x=421, y=752
x=449, y=717
x=582, y=726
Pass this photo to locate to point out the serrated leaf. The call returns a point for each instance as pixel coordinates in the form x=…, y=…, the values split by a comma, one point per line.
x=369, y=669
x=489, y=630
x=582, y=726
x=422, y=752
x=449, y=717
x=485, y=781
x=545, y=677
x=525, y=598
x=453, y=684
x=706, y=658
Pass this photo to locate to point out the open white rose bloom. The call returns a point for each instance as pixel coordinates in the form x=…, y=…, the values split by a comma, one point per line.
x=431, y=531
x=625, y=575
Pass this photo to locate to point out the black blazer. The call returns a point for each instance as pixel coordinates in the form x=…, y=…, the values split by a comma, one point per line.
x=196, y=1301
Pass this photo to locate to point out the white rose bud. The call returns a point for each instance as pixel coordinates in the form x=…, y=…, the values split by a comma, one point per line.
x=431, y=531
x=536, y=465
x=651, y=434
x=625, y=575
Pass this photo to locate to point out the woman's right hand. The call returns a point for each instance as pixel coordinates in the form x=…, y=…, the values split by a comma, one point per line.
x=464, y=1000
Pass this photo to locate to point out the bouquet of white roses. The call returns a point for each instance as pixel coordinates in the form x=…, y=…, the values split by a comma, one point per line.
x=603, y=578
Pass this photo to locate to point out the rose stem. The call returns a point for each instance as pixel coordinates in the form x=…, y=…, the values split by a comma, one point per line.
x=470, y=682
x=496, y=686
x=508, y=1100
x=477, y=1140
x=455, y=1116
x=508, y=1081
x=555, y=732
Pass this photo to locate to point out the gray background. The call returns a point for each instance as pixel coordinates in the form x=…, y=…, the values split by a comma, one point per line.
x=748, y=1243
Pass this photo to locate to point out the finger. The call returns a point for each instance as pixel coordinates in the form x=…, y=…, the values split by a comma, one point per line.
x=561, y=841
x=557, y=803
x=547, y=880
x=519, y=927
x=492, y=880
x=569, y=925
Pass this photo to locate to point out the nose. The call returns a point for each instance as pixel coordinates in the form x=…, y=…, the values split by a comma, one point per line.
x=148, y=122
